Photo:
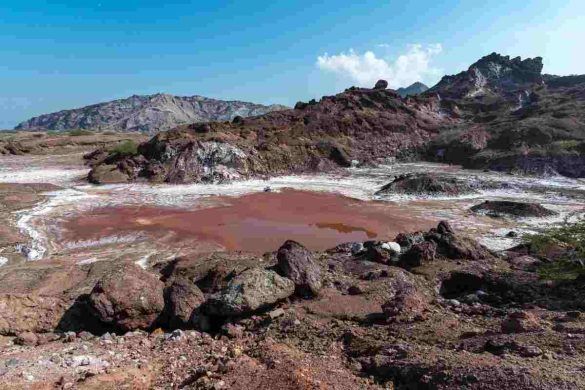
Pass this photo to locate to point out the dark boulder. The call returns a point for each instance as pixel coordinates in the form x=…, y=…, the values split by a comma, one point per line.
x=183, y=299
x=298, y=264
x=381, y=84
x=426, y=183
x=456, y=246
x=128, y=299
x=501, y=208
x=418, y=254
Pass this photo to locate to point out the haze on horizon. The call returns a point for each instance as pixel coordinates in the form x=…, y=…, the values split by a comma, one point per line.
x=58, y=55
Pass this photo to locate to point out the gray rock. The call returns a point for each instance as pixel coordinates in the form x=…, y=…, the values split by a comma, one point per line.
x=252, y=290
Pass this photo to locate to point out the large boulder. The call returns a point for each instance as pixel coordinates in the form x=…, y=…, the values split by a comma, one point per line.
x=381, y=84
x=298, y=264
x=252, y=290
x=130, y=298
x=456, y=246
x=107, y=174
x=502, y=208
x=183, y=299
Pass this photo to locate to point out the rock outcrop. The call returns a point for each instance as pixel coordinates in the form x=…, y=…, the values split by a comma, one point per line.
x=501, y=208
x=150, y=113
x=358, y=125
x=426, y=184
x=515, y=118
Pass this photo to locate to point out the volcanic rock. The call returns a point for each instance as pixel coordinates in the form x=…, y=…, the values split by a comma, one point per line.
x=500, y=208
x=425, y=183
x=521, y=321
x=381, y=84
x=319, y=136
x=298, y=264
x=129, y=299
x=418, y=254
x=30, y=313
x=183, y=298
x=407, y=304
x=252, y=290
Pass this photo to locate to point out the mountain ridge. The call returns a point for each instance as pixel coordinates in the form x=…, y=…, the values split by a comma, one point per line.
x=146, y=113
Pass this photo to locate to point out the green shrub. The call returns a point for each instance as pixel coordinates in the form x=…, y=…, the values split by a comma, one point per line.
x=568, y=241
x=79, y=132
x=125, y=148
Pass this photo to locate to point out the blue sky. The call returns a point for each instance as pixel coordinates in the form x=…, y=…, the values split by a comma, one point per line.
x=63, y=54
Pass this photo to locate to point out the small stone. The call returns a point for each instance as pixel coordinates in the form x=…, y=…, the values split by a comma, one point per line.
x=392, y=247
x=26, y=338
x=521, y=321
x=176, y=335
x=357, y=248
x=354, y=290
x=530, y=351
x=85, y=336
x=276, y=313
x=69, y=337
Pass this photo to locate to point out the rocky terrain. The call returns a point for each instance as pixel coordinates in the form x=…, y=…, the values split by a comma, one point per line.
x=501, y=114
x=431, y=310
x=148, y=113
x=49, y=143
x=355, y=127
x=433, y=276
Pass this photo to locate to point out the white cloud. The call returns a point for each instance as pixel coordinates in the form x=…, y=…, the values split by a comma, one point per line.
x=365, y=69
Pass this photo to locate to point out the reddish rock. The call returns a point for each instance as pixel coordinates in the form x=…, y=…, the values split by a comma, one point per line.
x=30, y=313
x=183, y=298
x=407, y=304
x=26, y=338
x=521, y=321
x=419, y=254
x=298, y=264
x=129, y=299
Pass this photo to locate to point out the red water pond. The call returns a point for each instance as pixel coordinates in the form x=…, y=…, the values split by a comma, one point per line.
x=257, y=222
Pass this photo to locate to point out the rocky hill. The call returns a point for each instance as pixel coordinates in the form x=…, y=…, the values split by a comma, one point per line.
x=150, y=113
x=413, y=89
x=500, y=114
x=514, y=118
x=357, y=126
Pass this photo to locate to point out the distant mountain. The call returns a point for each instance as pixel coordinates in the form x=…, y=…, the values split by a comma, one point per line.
x=413, y=89
x=147, y=113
